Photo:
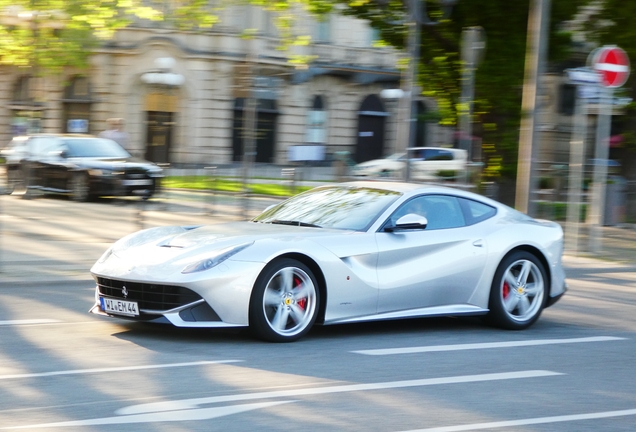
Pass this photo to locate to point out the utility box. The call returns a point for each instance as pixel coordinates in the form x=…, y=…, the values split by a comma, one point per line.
x=615, y=201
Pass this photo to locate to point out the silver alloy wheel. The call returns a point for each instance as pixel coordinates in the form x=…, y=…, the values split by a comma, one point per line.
x=522, y=290
x=289, y=301
x=80, y=187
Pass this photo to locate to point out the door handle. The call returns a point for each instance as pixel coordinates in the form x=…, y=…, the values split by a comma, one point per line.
x=478, y=243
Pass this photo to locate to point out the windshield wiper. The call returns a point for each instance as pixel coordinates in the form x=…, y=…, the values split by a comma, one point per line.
x=294, y=223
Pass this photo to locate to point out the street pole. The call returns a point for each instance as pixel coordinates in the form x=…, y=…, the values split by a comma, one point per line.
x=601, y=154
x=250, y=123
x=577, y=153
x=538, y=24
x=411, y=112
x=472, y=47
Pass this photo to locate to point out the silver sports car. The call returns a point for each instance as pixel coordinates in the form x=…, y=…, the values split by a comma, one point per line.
x=339, y=253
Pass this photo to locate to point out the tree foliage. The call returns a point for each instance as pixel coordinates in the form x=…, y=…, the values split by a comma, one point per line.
x=52, y=34
x=63, y=32
x=499, y=78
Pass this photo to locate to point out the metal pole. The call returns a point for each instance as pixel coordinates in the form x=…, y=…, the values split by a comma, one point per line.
x=469, y=37
x=577, y=152
x=601, y=153
x=212, y=190
x=538, y=21
x=249, y=127
x=411, y=118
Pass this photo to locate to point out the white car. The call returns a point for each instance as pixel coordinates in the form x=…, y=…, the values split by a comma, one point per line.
x=340, y=253
x=426, y=163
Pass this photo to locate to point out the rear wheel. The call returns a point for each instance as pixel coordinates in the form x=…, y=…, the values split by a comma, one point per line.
x=284, y=302
x=80, y=188
x=518, y=291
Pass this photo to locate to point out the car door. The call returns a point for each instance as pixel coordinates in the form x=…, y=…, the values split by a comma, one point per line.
x=51, y=163
x=35, y=163
x=437, y=266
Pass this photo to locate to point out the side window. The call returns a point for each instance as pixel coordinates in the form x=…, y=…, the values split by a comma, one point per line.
x=476, y=211
x=44, y=146
x=442, y=211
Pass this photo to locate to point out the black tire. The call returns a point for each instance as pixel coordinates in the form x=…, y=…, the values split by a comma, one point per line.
x=284, y=302
x=15, y=181
x=9, y=183
x=80, y=187
x=519, y=291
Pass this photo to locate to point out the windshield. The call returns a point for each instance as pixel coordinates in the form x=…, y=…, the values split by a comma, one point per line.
x=341, y=207
x=95, y=147
x=397, y=156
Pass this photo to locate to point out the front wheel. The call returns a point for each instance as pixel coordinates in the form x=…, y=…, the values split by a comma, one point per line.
x=284, y=302
x=518, y=291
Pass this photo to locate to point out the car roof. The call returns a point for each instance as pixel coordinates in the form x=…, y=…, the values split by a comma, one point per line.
x=418, y=188
x=61, y=135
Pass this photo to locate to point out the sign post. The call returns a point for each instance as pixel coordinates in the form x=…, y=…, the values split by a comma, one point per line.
x=580, y=78
x=612, y=65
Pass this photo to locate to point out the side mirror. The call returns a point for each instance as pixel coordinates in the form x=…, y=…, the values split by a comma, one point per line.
x=409, y=221
x=59, y=154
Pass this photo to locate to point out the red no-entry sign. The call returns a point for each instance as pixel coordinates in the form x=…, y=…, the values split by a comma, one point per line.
x=612, y=64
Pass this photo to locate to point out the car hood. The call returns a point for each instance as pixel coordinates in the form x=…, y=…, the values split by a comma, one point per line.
x=160, y=252
x=111, y=163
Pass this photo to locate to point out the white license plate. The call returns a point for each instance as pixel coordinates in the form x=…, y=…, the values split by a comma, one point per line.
x=141, y=182
x=120, y=307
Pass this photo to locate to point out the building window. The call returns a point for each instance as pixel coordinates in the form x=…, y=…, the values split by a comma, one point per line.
x=316, y=122
x=322, y=30
x=26, y=112
x=77, y=106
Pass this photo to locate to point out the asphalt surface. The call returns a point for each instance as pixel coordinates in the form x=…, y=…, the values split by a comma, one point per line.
x=51, y=239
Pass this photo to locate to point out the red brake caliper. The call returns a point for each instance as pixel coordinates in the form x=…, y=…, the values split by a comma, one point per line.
x=302, y=303
x=506, y=289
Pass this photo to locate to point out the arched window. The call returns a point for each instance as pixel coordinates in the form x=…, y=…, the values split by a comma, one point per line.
x=26, y=112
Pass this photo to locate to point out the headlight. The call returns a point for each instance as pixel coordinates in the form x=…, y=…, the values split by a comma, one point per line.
x=106, y=255
x=100, y=173
x=215, y=259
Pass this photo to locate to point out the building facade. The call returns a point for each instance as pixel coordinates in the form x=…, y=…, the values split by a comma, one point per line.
x=185, y=97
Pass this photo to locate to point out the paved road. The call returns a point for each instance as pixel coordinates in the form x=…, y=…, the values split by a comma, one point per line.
x=63, y=369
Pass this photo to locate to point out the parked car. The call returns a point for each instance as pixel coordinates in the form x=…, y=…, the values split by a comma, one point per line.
x=340, y=253
x=426, y=163
x=82, y=166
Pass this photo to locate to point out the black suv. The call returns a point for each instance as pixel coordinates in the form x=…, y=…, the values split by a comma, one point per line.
x=82, y=166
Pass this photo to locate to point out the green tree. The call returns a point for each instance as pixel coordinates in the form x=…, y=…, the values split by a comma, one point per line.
x=499, y=78
x=52, y=34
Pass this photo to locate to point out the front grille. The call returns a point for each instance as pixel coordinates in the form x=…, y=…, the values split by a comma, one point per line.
x=135, y=173
x=148, y=296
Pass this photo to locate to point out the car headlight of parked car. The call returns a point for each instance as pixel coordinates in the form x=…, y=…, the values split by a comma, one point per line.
x=214, y=260
x=101, y=173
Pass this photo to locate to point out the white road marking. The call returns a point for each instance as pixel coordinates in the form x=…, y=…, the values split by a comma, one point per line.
x=27, y=322
x=486, y=345
x=188, y=409
x=173, y=416
x=531, y=421
x=114, y=369
x=194, y=403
